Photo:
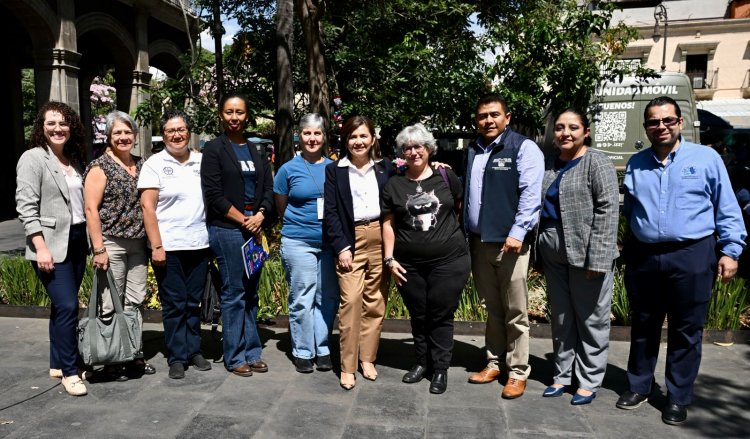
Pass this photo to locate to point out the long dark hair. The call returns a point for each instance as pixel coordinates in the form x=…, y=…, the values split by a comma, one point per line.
x=75, y=147
x=350, y=126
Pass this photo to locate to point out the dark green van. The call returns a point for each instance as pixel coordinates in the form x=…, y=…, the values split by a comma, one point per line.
x=617, y=128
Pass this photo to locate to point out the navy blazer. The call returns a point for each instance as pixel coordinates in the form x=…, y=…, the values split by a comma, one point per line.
x=223, y=184
x=338, y=217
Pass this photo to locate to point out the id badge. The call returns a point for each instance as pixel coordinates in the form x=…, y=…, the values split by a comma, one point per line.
x=320, y=208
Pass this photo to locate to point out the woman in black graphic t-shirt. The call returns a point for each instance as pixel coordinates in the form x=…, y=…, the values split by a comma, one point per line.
x=426, y=252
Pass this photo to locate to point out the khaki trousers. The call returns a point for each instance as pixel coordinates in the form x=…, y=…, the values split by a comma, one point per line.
x=364, y=291
x=500, y=279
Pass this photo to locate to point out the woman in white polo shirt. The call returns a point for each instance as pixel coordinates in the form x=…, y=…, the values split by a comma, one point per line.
x=175, y=221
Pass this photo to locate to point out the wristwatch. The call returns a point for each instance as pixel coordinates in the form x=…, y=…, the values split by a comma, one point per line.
x=388, y=261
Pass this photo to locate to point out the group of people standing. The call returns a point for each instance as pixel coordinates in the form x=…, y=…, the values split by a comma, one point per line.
x=350, y=225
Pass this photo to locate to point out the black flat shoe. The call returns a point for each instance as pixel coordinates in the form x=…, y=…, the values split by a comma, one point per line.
x=631, y=400
x=674, y=414
x=415, y=374
x=439, y=382
x=200, y=363
x=114, y=373
x=177, y=371
x=303, y=365
x=323, y=363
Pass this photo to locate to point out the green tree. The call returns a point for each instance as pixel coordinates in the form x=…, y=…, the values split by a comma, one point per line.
x=551, y=54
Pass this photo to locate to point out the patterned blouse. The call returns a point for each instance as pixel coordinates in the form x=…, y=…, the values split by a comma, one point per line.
x=120, y=211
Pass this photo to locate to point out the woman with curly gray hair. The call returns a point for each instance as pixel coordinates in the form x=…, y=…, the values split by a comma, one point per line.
x=426, y=252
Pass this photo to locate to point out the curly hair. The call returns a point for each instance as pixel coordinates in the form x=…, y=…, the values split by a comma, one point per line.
x=75, y=147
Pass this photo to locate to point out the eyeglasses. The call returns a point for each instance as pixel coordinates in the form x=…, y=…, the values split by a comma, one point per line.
x=667, y=121
x=416, y=148
x=173, y=131
x=52, y=125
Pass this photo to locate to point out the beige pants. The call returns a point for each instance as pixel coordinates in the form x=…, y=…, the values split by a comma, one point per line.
x=501, y=283
x=364, y=291
x=128, y=262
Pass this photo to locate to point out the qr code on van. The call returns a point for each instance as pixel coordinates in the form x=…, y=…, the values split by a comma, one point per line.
x=611, y=126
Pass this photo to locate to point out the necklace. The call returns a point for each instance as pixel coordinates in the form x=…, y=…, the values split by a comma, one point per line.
x=420, y=179
x=121, y=163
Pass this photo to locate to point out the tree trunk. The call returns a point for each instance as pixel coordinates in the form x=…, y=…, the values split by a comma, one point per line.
x=310, y=14
x=284, y=84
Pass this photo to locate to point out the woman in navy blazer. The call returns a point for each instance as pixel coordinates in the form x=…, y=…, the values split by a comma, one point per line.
x=352, y=225
x=238, y=191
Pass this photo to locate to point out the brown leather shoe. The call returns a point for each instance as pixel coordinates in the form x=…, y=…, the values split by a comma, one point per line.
x=243, y=370
x=259, y=366
x=487, y=375
x=514, y=388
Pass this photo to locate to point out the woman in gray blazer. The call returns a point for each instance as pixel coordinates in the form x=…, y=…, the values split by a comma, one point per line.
x=578, y=245
x=49, y=201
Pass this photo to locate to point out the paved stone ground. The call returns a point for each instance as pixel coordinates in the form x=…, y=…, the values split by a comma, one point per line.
x=285, y=404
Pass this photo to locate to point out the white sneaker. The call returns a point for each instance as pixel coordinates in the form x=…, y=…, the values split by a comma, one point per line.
x=74, y=386
x=55, y=373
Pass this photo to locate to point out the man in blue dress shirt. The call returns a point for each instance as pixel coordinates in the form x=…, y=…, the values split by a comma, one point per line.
x=686, y=229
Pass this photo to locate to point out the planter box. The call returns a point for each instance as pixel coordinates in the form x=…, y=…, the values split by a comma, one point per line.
x=537, y=330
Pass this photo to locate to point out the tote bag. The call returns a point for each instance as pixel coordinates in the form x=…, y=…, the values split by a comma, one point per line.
x=108, y=342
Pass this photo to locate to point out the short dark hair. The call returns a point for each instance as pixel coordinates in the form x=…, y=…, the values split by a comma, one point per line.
x=173, y=113
x=233, y=95
x=658, y=102
x=492, y=98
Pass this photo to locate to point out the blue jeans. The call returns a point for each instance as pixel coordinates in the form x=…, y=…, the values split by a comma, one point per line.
x=239, y=298
x=181, y=283
x=62, y=286
x=313, y=295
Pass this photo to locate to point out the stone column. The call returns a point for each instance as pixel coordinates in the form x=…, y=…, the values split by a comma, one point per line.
x=141, y=76
x=57, y=76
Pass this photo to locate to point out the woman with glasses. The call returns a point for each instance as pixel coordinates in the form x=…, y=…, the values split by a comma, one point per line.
x=426, y=252
x=49, y=201
x=115, y=223
x=175, y=222
x=308, y=259
x=238, y=191
x=578, y=245
x=352, y=224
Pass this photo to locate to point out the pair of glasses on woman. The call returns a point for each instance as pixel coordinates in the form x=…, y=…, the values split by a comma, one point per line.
x=416, y=148
x=173, y=131
x=667, y=121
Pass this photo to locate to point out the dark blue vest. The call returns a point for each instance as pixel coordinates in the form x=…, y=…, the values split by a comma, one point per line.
x=500, y=193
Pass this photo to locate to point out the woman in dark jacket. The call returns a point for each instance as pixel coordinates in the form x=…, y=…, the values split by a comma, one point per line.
x=352, y=225
x=238, y=191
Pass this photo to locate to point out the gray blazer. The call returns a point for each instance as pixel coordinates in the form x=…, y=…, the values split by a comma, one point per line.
x=43, y=202
x=589, y=209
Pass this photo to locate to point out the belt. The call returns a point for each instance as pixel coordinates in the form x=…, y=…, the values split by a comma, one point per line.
x=667, y=246
x=249, y=207
x=365, y=222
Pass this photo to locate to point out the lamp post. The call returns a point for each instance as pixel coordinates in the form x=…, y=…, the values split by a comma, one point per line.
x=660, y=14
x=218, y=31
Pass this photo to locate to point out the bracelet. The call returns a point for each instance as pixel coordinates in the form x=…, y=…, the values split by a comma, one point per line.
x=388, y=261
x=98, y=251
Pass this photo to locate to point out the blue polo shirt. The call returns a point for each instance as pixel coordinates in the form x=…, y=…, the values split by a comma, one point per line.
x=688, y=197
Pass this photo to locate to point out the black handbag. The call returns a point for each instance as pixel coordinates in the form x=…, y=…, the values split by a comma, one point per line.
x=111, y=341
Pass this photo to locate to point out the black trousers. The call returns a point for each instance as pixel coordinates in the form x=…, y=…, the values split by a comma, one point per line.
x=672, y=279
x=431, y=295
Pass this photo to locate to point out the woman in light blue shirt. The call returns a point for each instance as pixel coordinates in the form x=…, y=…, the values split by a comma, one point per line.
x=308, y=261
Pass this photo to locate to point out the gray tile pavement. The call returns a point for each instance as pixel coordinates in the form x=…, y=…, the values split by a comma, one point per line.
x=285, y=404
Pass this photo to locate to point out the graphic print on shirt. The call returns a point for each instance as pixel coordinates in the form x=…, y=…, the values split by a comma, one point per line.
x=422, y=209
x=247, y=166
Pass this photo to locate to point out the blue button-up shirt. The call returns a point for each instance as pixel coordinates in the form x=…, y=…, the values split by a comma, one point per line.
x=687, y=197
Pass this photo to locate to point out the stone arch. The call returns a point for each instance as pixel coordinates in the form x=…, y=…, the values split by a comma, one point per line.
x=165, y=55
x=38, y=17
x=98, y=21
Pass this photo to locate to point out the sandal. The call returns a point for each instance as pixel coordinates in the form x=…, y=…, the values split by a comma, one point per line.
x=74, y=386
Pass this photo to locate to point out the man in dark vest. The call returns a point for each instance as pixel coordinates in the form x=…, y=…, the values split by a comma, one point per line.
x=503, y=199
